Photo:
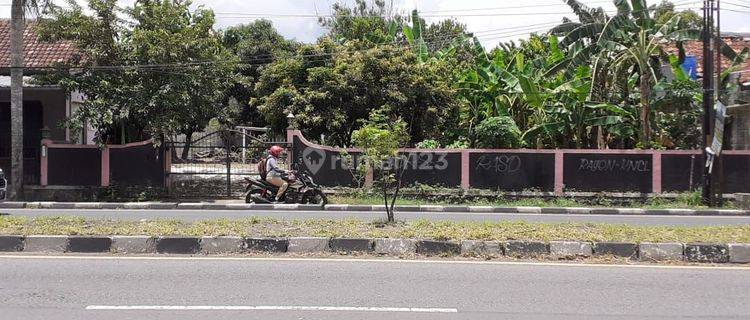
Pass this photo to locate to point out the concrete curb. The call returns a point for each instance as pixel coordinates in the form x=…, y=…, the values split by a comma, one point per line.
x=308, y=245
x=133, y=244
x=438, y=248
x=214, y=245
x=45, y=244
x=89, y=244
x=739, y=253
x=692, y=252
x=178, y=245
x=478, y=248
x=520, y=249
x=367, y=208
x=395, y=246
x=570, y=249
x=617, y=249
x=11, y=243
x=661, y=251
x=351, y=245
x=266, y=245
x=707, y=252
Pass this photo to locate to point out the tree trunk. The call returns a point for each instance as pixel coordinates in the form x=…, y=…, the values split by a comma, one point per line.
x=388, y=213
x=16, y=98
x=186, y=148
x=645, y=109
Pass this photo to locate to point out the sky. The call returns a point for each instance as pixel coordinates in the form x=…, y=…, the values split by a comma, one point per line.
x=492, y=21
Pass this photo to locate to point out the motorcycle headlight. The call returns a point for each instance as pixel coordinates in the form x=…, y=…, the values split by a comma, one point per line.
x=2, y=174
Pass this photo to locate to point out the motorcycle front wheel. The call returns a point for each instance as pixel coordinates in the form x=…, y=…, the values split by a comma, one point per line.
x=255, y=196
x=315, y=197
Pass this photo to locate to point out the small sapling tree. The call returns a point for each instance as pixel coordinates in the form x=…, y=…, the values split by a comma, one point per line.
x=379, y=142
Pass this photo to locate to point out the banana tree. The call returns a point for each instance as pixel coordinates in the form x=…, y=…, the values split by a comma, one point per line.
x=414, y=37
x=571, y=117
x=630, y=43
x=510, y=82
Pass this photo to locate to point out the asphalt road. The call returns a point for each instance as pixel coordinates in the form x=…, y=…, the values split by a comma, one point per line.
x=193, y=215
x=101, y=288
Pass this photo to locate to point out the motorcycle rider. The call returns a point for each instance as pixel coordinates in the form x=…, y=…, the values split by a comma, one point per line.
x=274, y=174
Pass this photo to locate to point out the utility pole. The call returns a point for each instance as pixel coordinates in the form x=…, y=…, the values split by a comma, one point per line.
x=708, y=98
x=718, y=189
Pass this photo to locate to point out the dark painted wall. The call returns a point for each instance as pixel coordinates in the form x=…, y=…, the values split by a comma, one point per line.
x=33, y=113
x=326, y=167
x=676, y=174
x=330, y=168
x=512, y=171
x=587, y=172
x=136, y=166
x=431, y=168
x=736, y=173
x=74, y=167
x=607, y=172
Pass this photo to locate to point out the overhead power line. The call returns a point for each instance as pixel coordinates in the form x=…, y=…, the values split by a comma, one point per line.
x=432, y=14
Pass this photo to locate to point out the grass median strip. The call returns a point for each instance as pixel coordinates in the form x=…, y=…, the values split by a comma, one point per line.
x=682, y=201
x=351, y=228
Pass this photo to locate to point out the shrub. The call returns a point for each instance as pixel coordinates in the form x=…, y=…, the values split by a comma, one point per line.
x=428, y=144
x=498, y=132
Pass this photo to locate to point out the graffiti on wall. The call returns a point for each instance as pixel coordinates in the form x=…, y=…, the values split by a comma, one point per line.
x=512, y=171
x=608, y=172
x=500, y=163
x=614, y=165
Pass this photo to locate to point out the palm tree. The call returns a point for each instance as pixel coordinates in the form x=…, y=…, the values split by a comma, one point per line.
x=17, y=26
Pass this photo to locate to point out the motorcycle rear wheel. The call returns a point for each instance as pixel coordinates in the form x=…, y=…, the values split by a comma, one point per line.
x=315, y=197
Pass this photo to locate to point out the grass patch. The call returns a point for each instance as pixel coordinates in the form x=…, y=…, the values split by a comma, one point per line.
x=421, y=229
x=683, y=201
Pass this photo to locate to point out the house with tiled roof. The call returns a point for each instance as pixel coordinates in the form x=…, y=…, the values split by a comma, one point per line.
x=45, y=106
x=737, y=135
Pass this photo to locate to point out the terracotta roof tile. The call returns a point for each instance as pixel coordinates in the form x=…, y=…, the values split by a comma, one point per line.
x=37, y=53
x=695, y=49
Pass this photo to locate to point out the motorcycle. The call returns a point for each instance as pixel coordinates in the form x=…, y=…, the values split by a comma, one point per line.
x=302, y=189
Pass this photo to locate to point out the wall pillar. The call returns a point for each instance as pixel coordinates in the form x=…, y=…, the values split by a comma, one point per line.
x=290, y=133
x=44, y=165
x=656, y=172
x=465, y=172
x=559, y=173
x=105, y=167
x=167, y=168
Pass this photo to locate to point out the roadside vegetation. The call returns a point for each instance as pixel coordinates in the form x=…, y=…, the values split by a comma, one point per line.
x=596, y=79
x=418, y=197
x=421, y=229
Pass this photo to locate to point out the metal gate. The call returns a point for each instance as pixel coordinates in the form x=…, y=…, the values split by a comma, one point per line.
x=214, y=164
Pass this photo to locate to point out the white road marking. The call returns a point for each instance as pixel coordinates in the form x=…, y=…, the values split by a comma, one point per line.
x=274, y=308
x=395, y=261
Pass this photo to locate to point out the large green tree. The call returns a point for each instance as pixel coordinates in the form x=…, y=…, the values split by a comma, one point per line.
x=256, y=45
x=368, y=61
x=332, y=96
x=183, y=96
x=160, y=71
